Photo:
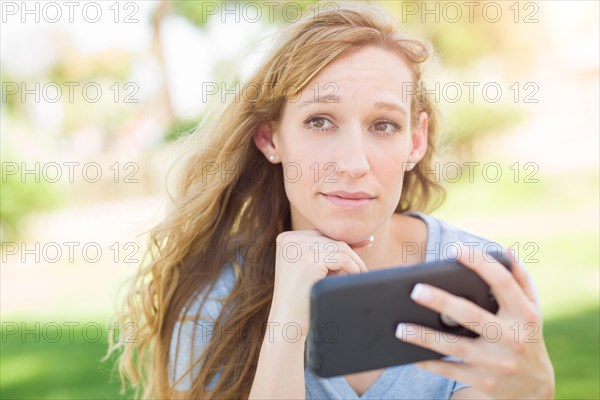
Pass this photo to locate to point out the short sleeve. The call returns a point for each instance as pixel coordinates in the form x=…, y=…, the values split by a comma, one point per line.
x=192, y=333
x=459, y=385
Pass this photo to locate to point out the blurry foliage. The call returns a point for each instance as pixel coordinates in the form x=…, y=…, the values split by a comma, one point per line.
x=199, y=12
x=180, y=128
x=462, y=42
x=459, y=45
x=19, y=197
x=223, y=71
x=76, y=66
x=533, y=190
x=464, y=122
x=10, y=104
x=109, y=69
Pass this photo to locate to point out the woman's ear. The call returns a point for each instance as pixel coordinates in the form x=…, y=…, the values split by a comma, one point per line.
x=419, y=139
x=265, y=139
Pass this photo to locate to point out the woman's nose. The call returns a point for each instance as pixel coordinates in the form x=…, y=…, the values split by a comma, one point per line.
x=351, y=157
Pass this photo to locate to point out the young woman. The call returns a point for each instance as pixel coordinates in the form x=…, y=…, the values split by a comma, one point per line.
x=324, y=154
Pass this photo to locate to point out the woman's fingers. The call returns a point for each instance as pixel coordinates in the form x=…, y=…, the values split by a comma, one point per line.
x=348, y=250
x=339, y=247
x=523, y=278
x=507, y=291
x=345, y=264
x=465, y=348
x=461, y=310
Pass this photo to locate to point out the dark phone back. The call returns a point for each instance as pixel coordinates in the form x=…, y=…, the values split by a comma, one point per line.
x=353, y=318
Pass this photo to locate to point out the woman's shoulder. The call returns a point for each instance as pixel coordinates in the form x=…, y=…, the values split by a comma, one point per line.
x=195, y=326
x=209, y=300
x=443, y=234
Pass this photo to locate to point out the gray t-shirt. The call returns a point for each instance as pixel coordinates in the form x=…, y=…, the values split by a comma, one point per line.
x=398, y=382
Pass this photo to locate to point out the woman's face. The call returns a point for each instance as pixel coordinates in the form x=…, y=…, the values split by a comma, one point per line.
x=361, y=143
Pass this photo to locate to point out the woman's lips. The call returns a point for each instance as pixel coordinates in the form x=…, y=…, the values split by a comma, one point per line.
x=348, y=204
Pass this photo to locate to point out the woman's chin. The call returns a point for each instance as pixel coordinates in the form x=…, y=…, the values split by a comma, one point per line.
x=356, y=238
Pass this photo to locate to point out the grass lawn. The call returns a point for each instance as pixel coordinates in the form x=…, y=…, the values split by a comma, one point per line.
x=574, y=350
x=38, y=367
x=72, y=370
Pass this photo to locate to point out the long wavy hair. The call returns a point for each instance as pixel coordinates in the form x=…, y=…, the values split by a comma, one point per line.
x=248, y=205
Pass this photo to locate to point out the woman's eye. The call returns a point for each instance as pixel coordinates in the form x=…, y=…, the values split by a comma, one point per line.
x=394, y=127
x=318, y=124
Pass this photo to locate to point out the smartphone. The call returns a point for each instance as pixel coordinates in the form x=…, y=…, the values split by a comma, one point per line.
x=353, y=318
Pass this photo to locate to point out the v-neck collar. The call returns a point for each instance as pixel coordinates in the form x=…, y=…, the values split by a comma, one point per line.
x=349, y=393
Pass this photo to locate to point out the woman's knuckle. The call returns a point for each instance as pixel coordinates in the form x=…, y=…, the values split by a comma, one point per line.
x=531, y=314
x=347, y=261
x=488, y=383
x=508, y=366
x=504, y=281
x=438, y=298
x=519, y=347
x=480, y=315
x=461, y=349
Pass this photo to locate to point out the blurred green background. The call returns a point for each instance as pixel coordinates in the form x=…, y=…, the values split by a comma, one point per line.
x=545, y=204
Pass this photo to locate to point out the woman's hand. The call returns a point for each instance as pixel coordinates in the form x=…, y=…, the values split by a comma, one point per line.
x=509, y=359
x=302, y=258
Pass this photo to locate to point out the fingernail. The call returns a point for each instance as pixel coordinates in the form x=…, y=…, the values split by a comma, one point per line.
x=419, y=292
x=399, y=330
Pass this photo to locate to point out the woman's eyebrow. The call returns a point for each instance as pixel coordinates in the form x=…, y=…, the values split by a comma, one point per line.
x=391, y=106
x=331, y=98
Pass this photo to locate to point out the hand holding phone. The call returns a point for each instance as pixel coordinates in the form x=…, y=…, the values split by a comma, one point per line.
x=353, y=318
